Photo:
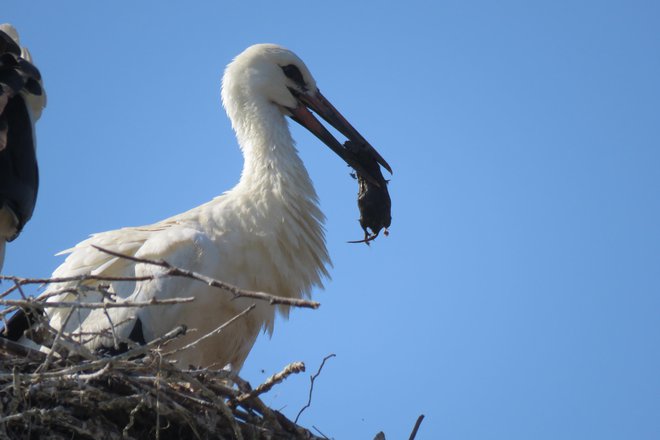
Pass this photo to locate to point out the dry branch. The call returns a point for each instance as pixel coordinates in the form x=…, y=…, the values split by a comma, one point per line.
x=213, y=332
x=38, y=304
x=311, y=386
x=292, y=368
x=170, y=270
x=235, y=291
x=413, y=434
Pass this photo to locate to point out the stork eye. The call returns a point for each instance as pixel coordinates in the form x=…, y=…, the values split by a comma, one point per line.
x=293, y=73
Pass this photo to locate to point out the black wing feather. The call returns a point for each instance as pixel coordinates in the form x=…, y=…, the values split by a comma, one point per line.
x=19, y=173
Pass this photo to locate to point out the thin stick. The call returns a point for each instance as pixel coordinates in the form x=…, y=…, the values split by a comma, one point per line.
x=417, y=423
x=131, y=417
x=51, y=353
x=160, y=365
x=319, y=431
x=234, y=290
x=84, y=277
x=10, y=290
x=311, y=388
x=115, y=342
x=292, y=368
x=211, y=333
x=93, y=305
x=90, y=376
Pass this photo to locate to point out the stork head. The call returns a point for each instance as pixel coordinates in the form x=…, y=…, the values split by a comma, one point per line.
x=271, y=73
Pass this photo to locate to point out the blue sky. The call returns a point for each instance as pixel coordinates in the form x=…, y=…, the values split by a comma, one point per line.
x=517, y=295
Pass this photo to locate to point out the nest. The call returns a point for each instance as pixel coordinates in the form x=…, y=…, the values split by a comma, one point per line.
x=133, y=395
x=73, y=393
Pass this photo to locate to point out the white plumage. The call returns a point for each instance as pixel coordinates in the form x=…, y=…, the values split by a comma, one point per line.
x=265, y=234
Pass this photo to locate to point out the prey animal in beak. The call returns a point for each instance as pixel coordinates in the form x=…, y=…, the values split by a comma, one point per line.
x=373, y=198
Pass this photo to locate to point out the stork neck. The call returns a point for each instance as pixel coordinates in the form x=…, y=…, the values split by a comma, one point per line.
x=275, y=200
x=271, y=158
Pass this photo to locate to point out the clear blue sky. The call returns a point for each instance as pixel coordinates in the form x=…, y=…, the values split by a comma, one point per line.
x=518, y=294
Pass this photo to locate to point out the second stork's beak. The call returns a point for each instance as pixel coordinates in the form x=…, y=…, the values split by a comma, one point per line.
x=331, y=115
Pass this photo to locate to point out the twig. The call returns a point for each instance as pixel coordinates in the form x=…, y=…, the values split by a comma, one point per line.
x=160, y=365
x=93, y=305
x=76, y=291
x=137, y=351
x=20, y=281
x=320, y=432
x=20, y=291
x=90, y=376
x=417, y=423
x=234, y=290
x=8, y=291
x=131, y=417
x=52, y=352
x=311, y=387
x=211, y=333
x=292, y=368
x=115, y=342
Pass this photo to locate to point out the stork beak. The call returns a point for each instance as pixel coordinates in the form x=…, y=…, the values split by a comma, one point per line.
x=331, y=115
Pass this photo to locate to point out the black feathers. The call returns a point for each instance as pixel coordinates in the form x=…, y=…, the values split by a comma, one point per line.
x=8, y=45
x=293, y=73
x=19, y=175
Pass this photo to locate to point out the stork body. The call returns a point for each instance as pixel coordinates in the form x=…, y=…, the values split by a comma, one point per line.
x=264, y=244
x=21, y=101
x=265, y=234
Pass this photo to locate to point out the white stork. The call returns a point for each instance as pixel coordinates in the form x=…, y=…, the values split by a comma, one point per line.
x=21, y=101
x=265, y=234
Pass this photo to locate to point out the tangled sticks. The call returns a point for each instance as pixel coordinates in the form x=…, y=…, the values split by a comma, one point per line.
x=70, y=392
x=75, y=394
x=131, y=398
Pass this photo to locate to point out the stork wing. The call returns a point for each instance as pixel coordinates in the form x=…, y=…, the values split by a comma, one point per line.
x=85, y=259
x=181, y=245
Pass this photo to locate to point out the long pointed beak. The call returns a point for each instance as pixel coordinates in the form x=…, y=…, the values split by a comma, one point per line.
x=321, y=106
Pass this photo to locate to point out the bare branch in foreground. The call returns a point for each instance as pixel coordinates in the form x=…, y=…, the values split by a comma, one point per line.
x=235, y=291
x=413, y=434
x=319, y=431
x=37, y=304
x=212, y=332
x=311, y=387
x=170, y=270
x=20, y=281
x=292, y=368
